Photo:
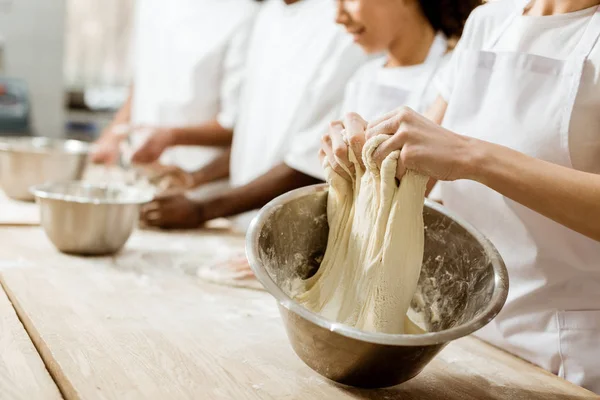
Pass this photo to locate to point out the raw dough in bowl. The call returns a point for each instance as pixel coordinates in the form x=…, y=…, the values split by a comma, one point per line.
x=372, y=264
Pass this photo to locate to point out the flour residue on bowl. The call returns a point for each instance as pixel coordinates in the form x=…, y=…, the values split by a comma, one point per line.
x=453, y=270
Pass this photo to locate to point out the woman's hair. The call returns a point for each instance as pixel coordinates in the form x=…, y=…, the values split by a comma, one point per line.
x=448, y=16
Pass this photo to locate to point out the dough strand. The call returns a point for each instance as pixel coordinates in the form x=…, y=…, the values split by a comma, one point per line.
x=372, y=264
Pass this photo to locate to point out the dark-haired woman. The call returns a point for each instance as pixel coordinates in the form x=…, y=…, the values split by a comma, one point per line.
x=416, y=37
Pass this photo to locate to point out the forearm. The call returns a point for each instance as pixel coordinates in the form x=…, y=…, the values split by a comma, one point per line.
x=216, y=170
x=279, y=180
x=207, y=134
x=567, y=196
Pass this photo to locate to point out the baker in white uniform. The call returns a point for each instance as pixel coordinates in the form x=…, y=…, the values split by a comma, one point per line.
x=298, y=65
x=520, y=105
x=189, y=64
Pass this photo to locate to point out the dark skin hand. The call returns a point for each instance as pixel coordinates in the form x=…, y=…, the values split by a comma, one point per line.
x=218, y=169
x=176, y=211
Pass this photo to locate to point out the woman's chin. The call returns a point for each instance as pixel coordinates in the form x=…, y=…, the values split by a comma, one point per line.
x=369, y=48
x=373, y=50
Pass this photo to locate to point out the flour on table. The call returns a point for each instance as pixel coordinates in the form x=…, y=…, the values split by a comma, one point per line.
x=18, y=213
x=235, y=272
x=208, y=259
x=372, y=264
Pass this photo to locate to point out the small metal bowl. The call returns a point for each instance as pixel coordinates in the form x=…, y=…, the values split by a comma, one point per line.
x=463, y=285
x=89, y=219
x=29, y=161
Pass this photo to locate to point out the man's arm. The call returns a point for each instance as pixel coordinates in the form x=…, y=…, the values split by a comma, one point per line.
x=208, y=134
x=277, y=181
x=216, y=170
x=179, y=212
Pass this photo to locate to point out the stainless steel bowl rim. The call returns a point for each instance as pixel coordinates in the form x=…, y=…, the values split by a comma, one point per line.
x=44, y=191
x=18, y=145
x=485, y=316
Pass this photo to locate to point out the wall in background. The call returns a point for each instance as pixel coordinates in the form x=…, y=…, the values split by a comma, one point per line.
x=34, y=46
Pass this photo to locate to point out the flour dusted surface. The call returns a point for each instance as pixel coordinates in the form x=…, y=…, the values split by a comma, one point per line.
x=372, y=264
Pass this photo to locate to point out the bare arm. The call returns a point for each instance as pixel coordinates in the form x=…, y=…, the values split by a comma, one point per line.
x=565, y=195
x=208, y=134
x=179, y=212
x=277, y=181
x=216, y=170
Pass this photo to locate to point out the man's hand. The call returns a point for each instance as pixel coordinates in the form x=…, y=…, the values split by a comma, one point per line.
x=174, y=211
x=159, y=139
x=106, y=151
x=167, y=177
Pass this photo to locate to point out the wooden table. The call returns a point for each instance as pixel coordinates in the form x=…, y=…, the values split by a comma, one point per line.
x=138, y=326
x=22, y=371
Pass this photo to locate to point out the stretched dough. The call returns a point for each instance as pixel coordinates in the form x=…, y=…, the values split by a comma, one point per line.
x=372, y=264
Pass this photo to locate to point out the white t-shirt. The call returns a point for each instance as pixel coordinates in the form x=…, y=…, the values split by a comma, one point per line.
x=189, y=66
x=298, y=65
x=375, y=90
x=548, y=36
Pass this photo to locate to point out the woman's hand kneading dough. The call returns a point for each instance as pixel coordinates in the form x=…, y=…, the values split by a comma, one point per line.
x=425, y=147
x=348, y=132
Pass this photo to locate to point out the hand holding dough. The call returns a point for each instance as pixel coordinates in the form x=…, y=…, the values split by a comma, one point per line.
x=372, y=264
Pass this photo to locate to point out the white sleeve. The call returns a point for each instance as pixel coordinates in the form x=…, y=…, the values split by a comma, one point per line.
x=303, y=154
x=233, y=75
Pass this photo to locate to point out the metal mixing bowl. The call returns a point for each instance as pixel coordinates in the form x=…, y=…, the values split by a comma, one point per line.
x=463, y=278
x=89, y=219
x=29, y=161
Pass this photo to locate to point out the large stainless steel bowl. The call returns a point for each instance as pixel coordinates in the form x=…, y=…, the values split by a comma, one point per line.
x=89, y=219
x=463, y=279
x=29, y=161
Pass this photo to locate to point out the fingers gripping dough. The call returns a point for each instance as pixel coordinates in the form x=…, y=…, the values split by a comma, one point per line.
x=375, y=250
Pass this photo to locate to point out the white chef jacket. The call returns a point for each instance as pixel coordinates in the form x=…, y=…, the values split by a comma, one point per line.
x=189, y=66
x=298, y=65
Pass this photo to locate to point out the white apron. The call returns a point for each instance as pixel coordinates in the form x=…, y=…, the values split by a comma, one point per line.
x=525, y=102
x=372, y=100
